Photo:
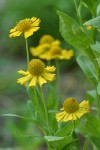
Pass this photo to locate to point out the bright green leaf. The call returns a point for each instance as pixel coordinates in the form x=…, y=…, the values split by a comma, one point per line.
x=53, y=138
x=73, y=33
x=91, y=95
x=57, y=142
x=21, y=117
x=95, y=22
x=65, y=130
x=88, y=68
x=91, y=129
x=96, y=47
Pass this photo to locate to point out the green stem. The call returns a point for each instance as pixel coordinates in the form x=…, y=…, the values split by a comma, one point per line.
x=78, y=11
x=86, y=145
x=45, y=109
x=98, y=104
x=27, y=52
x=49, y=62
x=58, y=72
x=73, y=122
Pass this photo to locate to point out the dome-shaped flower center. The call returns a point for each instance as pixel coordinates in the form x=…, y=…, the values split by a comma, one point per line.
x=36, y=67
x=70, y=105
x=23, y=25
x=46, y=39
x=55, y=51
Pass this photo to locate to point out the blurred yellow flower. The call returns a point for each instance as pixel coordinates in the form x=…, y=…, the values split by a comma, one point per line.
x=26, y=26
x=88, y=27
x=37, y=73
x=46, y=42
x=57, y=52
x=46, y=39
x=72, y=110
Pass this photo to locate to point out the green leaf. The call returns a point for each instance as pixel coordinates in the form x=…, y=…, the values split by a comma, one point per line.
x=98, y=88
x=65, y=130
x=95, y=22
x=91, y=129
x=88, y=68
x=36, y=99
x=57, y=142
x=91, y=95
x=21, y=117
x=30, y=106
x=53, y=138
x=96, y=47
x=73, y=33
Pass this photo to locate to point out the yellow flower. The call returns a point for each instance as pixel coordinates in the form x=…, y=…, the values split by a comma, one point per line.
x=57, y=52
x=46, y=39
x=36, y=51
x=88, y=27
x=37, y=73
x=26, y=26
x=72, y=110
x=46, y=42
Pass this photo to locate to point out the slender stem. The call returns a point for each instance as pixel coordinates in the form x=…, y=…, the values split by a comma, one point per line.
x=86, y=144
x=98, y=104
x=45, y=109
x=78, y=11
x=27, y=52
x=58, y=71
x=49, y=62
x=73, y=122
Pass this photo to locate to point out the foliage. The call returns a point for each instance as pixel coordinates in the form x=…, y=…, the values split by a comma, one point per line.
x=44, y=100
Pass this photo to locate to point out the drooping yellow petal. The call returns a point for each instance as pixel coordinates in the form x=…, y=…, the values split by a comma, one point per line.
x=60, y=116
x=41, y=81
x=33, y=81
x=23, y=72
x=48, y=76
x=67, y=117
x=23, y=80
x=30, y=32
x=67, y=54
x=16, y=33
x=50, y=69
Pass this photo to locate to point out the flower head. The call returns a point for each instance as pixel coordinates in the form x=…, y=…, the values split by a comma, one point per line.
x=46, y=39
x=46, y=42
x=37, y=73
x=72, y=110
x=26, y=27
x=57, y=52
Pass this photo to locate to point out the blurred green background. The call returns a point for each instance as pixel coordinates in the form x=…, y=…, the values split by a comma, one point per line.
x=16, y=133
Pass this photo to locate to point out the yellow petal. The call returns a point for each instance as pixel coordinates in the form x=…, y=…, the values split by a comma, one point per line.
x=30, y=32
x=48, y=76
x=50, y=69
x=23, y=80
x=62, y=108
x=23, y=72
x=85, y=105
x=33, y=19
x=16, y=33
x=41, y=81
x=33, y=81
x=67, y=54
x=12, y=30
x=60, y=116
x=36, y=22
